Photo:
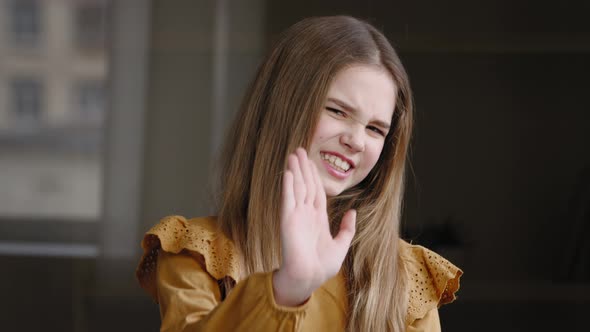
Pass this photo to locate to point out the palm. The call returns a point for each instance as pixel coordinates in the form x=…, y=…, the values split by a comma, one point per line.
x=310, y=254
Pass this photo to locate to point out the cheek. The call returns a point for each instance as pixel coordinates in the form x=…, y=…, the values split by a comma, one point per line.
x=316, y=141
x=325, y=128
x=373, y=155
x=320, y=135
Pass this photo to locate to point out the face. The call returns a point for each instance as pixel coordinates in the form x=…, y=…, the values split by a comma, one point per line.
x=351, y=131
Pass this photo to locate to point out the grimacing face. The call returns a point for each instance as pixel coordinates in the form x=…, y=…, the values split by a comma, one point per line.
x=352, y=127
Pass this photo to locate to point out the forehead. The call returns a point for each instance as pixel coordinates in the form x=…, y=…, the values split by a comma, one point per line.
x=370, y=90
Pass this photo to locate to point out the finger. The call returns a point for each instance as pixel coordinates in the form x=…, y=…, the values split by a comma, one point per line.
x=320, y=196
x=298, y=184
x=307, y=174
x=347, y=230
x=288, y=197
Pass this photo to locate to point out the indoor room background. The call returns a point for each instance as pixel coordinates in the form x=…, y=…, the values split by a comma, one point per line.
x=112, y=114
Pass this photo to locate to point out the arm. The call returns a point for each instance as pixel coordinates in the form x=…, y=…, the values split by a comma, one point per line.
x=190, y=300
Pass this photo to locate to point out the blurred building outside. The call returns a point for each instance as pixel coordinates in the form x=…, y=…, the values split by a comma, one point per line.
x=53, y=71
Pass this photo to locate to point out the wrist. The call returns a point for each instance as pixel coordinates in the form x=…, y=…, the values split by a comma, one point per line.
x=288, y=292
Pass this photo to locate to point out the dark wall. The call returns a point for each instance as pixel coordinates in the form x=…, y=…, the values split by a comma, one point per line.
x=501, y=140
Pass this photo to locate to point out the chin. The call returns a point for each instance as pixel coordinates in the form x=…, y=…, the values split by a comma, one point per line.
x=333, y=187
x=331, y=192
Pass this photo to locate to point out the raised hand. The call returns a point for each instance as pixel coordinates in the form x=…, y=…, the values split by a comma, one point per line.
x=310, y=255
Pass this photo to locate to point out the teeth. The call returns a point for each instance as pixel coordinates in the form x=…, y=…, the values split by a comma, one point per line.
x=336, y=162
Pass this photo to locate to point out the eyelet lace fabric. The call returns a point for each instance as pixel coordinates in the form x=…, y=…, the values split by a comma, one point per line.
x=433, y=280
x=198, y=236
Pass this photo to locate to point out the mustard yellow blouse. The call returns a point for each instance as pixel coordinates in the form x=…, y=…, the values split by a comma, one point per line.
x=185, y=260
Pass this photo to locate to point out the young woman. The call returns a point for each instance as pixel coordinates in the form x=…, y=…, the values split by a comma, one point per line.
x=307, y=231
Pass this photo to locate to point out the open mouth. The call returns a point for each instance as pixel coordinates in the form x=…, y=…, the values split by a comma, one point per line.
x=336, y=162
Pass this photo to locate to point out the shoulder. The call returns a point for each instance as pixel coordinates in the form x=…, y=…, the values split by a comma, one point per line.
x=432, y=279
x=199, y=237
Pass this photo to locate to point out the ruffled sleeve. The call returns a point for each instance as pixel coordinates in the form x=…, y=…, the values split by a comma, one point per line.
x=433, y=281
x=199, y=237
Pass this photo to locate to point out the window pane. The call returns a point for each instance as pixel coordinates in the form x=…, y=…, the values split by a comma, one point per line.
x=25, y=22
x=90, y=22
x=89, y=101
x=27, y=99
x=52, y=106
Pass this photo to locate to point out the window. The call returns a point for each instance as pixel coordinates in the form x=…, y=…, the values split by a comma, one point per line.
x=25, y=24
x=52, y=130
x=90, y=23
x=27, y=100
x=90, y=101
x=56, y=198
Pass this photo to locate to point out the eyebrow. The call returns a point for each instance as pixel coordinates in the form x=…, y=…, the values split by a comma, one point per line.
x=353, y=110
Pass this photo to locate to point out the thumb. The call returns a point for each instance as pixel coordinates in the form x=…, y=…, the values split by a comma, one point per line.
x=347, y=229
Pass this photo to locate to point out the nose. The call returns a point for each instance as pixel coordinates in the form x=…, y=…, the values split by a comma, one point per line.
x=354, y=138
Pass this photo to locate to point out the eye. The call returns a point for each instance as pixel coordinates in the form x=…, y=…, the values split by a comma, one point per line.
x=336, y=112
x=376, y=130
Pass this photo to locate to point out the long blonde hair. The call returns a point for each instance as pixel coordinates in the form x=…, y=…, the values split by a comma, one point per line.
x=278, y=114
